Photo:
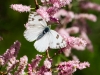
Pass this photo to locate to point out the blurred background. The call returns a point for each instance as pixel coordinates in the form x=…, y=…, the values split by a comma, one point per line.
x=12, y=28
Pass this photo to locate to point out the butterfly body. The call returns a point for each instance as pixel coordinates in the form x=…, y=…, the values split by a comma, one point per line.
x=44, y=36
x=46, y=29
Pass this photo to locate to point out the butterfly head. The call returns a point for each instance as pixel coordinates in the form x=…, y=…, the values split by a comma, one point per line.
x=47, y=29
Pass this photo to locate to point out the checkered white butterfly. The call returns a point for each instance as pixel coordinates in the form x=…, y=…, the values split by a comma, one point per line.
x=38, y=30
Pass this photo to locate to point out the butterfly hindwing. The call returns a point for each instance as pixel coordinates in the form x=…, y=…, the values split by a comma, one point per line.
x=56, y=41
x=42, y=44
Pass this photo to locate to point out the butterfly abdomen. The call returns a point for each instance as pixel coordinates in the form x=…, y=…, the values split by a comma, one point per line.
x=46, y=29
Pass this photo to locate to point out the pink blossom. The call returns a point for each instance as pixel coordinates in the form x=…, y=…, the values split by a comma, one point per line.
x=11, y=64
x=67, y=50
x=11, y=52
x=68, y=68
x=85, y=37
x=52, y=10
x=22, y=65
x=83, y=65
x=2, y=60
x=72, y=30
x=68, y=16
x=9, y=74
x=20, y=8
x=47, y=63
x=47, y=73
x=60, y=3
x=77, y=43
x=30, y=70
x=63, y=32
x=75, y=58
x=86, y=16
x=35, y=62
x=43, y=12
x=89, y=5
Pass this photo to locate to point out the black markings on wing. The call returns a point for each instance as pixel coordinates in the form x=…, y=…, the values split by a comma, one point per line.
x=62, y=40
x=32, y=25
x=57, y=43
x=32, y=19
x=57, y=36
x=35, y=14
x=40, y=19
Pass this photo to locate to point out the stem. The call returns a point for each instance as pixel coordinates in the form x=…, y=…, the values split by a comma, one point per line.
x=0, y=67
x=36, y=4
x=47, y=53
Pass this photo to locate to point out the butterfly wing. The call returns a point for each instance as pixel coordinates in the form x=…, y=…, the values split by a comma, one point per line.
x=56, y=41
x=42, y=44
x=36, y=19
x=51, y=39
x=32, y=34
x=35, y=26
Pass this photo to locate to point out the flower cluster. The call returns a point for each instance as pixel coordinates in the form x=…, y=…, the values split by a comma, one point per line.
x=20, y=7
x=63, y=68
x=53, y=12
x=68, y=68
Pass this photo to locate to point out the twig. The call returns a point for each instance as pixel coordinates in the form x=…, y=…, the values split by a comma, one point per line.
x=47, y=53
x=36, y=4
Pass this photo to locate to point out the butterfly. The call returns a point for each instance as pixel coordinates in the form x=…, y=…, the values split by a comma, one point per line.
x=45, y=37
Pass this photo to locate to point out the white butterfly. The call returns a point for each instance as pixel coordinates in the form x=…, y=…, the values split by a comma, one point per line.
x=44, y=36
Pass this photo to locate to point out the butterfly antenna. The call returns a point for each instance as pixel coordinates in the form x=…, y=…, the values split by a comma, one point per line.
x=36, y=4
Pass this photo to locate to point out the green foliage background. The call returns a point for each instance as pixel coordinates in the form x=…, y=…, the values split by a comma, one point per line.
x=12, y=28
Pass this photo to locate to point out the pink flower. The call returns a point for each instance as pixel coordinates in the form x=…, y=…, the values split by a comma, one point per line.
x=75, y=58
x=73, y=30
x=11, y=64
x=30, y=70
x=11, y=52
x=20, y=8
x=77, y=43
x=52, y=10
x=63, y=33
x=36, y=61
x=47, y=73
x=85, y=37
x=60, y=3
x=68, y=68
x=83, y=65
x=89, y=5
x=64, y=16
x=47, y=64
x=43, y=12
x=2, y=61
x=22, y=65
x=86, y=16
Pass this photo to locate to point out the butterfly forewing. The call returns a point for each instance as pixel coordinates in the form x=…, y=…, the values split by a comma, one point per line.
x=35, y=27
x=36, y=19
x=42, y=44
